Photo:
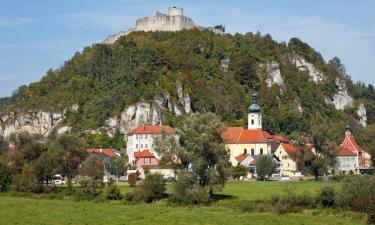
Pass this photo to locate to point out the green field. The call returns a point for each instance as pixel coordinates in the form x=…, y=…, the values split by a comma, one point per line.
x=20, y=210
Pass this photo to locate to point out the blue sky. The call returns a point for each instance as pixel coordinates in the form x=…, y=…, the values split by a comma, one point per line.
x=41, y=34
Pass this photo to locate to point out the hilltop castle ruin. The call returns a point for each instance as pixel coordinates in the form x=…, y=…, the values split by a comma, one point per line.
x=173, y=21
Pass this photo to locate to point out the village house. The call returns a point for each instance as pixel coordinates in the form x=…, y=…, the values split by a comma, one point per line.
x=351, y=158
x=288, y=155
x=142, y=138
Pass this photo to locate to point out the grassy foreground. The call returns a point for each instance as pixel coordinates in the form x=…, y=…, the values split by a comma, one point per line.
x=19, y=210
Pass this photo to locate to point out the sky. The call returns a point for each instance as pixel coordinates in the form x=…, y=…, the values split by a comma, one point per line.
x=41, y=34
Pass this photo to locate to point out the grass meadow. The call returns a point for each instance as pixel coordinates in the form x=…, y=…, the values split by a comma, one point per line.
x=16, y=209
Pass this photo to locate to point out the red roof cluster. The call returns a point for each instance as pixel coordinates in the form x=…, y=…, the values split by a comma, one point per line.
x=241, y=136
x=148, y=129
x=143, y=154
x=107, y=152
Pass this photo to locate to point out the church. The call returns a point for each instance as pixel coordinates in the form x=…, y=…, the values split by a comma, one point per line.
x=253, y=141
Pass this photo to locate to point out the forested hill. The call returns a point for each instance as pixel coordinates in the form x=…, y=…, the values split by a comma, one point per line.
x=195, y=71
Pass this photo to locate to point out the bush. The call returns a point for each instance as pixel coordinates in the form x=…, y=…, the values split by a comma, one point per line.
x=132, y=179
x=27, y=180
x=152, y=188
x=112, y=193
x=5, y=179
x=185, y=192
x=357, y=193
x=327, y=196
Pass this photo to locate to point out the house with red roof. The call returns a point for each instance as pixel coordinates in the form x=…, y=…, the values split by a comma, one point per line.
x=144, y=158
x=351, y=157
x=142, y=137
x=252, y=141
x=288, y=155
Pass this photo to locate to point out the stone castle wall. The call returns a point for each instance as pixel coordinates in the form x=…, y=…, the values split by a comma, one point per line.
x=162, y=22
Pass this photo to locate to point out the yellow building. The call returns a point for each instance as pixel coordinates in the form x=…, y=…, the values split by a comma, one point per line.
x=253, y=141
x=288, y=154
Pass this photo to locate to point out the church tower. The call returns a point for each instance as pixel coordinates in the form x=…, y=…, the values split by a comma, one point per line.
x=254, y=117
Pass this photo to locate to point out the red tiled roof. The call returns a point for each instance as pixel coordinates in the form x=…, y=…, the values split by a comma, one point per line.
x=144, y=154
x=147, y=129
x=292, y=150
x=350, y=143
x=231, y=134
x=241, y=157
x=281, y=138
x=253, y=136
x=345, y=152
x=106, y=152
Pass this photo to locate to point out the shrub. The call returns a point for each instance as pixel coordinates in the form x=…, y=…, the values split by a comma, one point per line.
x=132, y=179
x=152, y=188
x=5, y=179
x=327, y=196
x=185, y=192
x=27, y=181
x=357, y=193
x=112, y=193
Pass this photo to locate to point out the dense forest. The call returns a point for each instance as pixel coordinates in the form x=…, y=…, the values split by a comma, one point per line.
x=104, y=79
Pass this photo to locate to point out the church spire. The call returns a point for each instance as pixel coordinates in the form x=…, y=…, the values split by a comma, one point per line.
x=254, y=115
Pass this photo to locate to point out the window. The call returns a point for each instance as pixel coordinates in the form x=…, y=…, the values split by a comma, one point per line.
x=140, y=136
x=288, y=164
x=146, y=146
x=228, y=150
x=252, y=151
x=141, y=145
x=136, y=136
x=145, y=136
x=261, y=151
x=136, y=145
x=144, y=160
x=252, y=122
x=245, y=151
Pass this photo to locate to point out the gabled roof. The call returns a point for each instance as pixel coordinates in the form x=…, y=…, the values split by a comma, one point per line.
x=345, y=152
x=291, y=150
x=143, y=154
x=254, y=136
x=241, y=157
x=106, y=152
x=238, y=135
x=231, y=134
x=350, y=144
x=150, y=129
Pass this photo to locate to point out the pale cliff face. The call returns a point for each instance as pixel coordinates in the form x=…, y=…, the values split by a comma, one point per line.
x=341, y=99
x=274, y=74
x=303, y=65
x=361, y=112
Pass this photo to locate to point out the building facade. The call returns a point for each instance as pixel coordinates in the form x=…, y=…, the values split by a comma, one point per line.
x=351, y=158
x=252, y=141
x=142, y=138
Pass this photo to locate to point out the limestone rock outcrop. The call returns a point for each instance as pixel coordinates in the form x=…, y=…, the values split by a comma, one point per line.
x=341, y=99
x=273, y=74
x=303, y=65
x=362, y=113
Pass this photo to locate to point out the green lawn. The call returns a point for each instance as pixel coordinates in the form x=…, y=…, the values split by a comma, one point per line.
x=19, y=210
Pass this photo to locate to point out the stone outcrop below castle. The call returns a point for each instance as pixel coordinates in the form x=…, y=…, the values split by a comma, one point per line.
x=341, y=99
x=303, y=65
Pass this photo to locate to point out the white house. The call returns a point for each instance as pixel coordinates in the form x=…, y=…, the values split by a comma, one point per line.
x=142, y=138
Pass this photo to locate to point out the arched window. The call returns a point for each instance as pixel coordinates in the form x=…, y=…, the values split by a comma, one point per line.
x=252, y=151
x=245, y=151
x=261, y=151
x=252, y=122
